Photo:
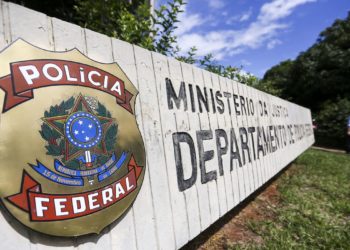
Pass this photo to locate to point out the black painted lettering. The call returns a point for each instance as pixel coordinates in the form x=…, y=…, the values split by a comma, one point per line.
x=228, y=96
x=202, y=99
x=260, y=143
x=172, y=97
x=272, y=139
x=204, y=156
x=236, y=104
x=220, y=106
x=243, y=105
x=244, y=143
x=267, y=146
x=251, y=105
x=221, y=149
x=212, y=101
x=251, y=131
x=284, y=135
x=193, y=103
x=234, y=150
x=178, y=138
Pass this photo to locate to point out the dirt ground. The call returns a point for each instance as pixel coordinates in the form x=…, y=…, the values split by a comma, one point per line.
x=233, y=228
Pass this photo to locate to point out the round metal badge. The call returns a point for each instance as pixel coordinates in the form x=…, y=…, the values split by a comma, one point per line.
x=72, y=155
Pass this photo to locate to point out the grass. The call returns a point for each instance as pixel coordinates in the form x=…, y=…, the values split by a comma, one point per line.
x=314, y=207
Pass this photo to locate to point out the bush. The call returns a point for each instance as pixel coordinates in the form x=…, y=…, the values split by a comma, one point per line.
x=332, y=123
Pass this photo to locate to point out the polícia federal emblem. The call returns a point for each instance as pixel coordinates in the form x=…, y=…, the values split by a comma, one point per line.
x=72, y=156
x=81, y=133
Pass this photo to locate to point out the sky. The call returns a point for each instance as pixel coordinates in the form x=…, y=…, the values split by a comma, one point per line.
x=255, y=34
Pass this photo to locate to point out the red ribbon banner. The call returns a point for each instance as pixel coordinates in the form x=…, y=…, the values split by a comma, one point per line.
x=54, y=207
x=29, y=75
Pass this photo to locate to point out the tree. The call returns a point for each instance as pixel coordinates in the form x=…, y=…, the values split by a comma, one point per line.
x=277, y=78
x=320, y=73
x=207, y=62
x=331, y=120
x=131, y=21
x=319, y=79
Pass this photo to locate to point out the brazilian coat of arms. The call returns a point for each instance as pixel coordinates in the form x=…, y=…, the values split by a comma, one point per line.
x=73, y=158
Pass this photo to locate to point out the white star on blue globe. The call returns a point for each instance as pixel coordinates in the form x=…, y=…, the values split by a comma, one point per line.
x=83, y=130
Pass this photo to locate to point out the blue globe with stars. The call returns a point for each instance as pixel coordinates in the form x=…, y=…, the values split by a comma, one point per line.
x=83, y=130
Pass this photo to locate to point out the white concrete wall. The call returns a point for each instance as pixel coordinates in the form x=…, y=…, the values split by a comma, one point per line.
x=162, y=217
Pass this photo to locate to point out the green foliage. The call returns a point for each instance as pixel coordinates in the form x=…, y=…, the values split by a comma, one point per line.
x=208, y=63
x=276, y=78
x=102, y=159
x=55, y=145
x=127, y=20
x=111, y=133
x=62, y=9
x=55, y=141
x=319, y=74
x=248, y=79
x=314, y=209
x=47, y=133
x=318, y=78
x=60, y=109
x=111, y=137
x=133, y=22
x=190, y=56
x=53, y=150
x=332, y=123
x=135, y=28
x=102, y=111
x=100, y=16
x=165, y=20
x=73, y=164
